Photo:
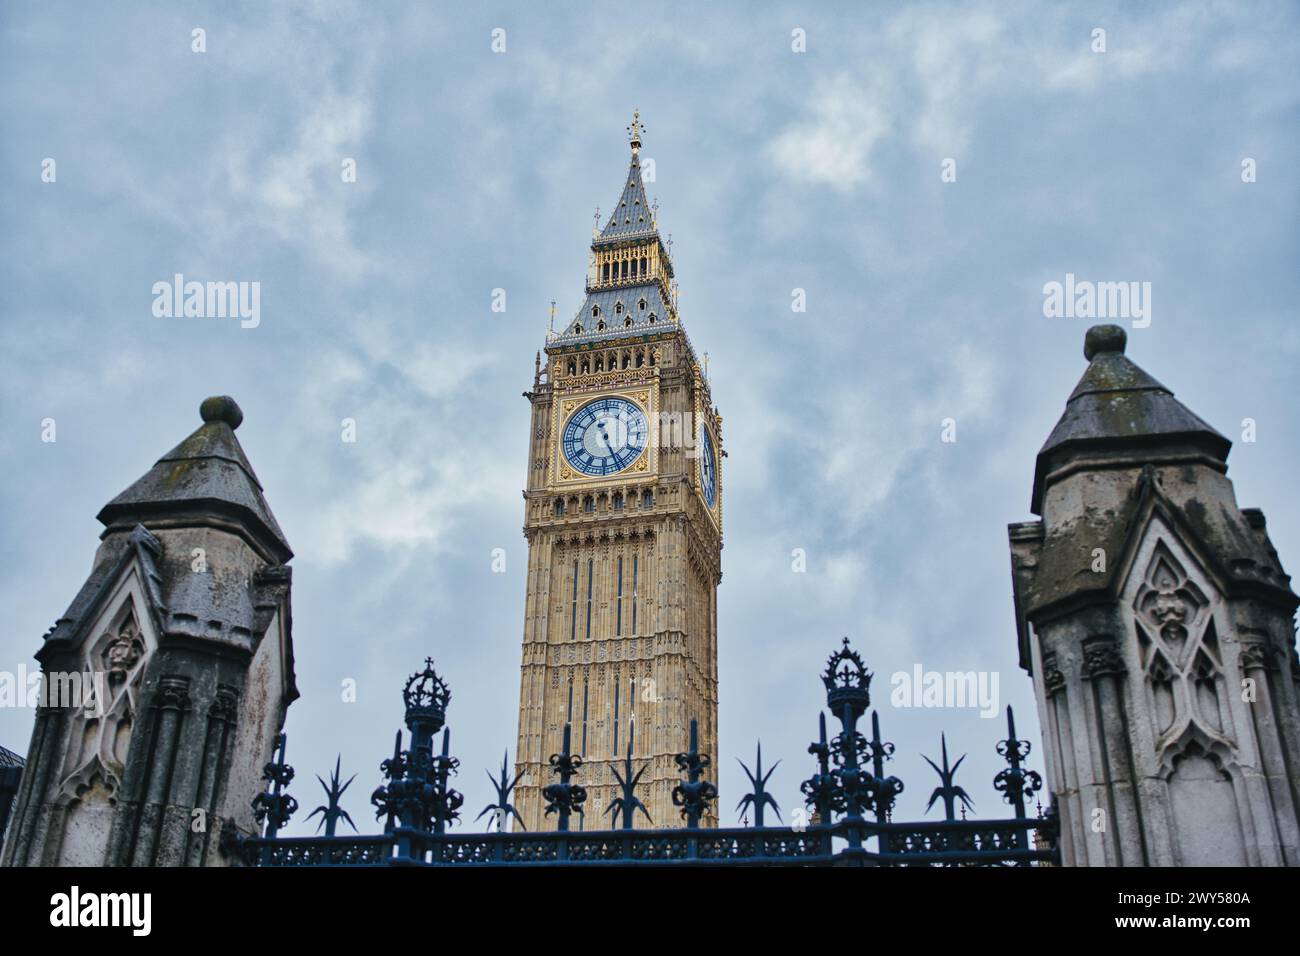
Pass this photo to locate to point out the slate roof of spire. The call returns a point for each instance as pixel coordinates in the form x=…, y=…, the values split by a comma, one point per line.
x=1117, y=405
x=205, y=474
x=653, y=318
x=632, y=216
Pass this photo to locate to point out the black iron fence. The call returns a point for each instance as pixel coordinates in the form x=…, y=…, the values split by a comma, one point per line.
x=850, y=801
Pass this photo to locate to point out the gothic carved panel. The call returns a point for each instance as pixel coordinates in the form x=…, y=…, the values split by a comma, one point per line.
x=113, y=666
x=1181, y=660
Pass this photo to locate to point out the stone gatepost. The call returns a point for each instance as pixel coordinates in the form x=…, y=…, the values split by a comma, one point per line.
x=168, y=678
x=1158, y=625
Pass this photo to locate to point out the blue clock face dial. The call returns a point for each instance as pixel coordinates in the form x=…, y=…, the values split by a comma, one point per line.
x=605, y=436
x=708, y=469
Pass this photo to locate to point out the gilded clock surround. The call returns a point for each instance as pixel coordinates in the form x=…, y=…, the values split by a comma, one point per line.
x=643, y=468
x=620, y=606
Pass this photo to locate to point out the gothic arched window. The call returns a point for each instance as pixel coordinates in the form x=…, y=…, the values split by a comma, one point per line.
x=647, y=499
x=559, y=507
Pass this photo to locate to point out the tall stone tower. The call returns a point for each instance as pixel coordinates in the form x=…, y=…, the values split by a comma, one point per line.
x=623, y=516
x=169, y=675
x=1158, y=625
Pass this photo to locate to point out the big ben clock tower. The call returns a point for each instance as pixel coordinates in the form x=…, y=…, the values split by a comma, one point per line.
x=623, y=516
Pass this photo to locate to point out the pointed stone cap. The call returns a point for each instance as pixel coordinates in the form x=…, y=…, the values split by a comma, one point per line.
x=206, y=478
x=1118, y=408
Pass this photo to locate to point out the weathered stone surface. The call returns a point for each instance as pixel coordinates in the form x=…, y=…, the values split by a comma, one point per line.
x=1118, y=407
x=205, y=480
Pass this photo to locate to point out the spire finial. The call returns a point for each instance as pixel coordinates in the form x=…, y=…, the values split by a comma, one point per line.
x=635, y=130
x=1104, y=338
x=221, y=408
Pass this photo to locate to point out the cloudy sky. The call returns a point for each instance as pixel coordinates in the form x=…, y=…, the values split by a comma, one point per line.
x=776, y=171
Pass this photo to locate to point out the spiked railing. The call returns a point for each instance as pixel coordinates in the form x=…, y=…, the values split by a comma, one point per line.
x=758, y=797
x=627, y=803
x=331, y=811
x=850, y=797
x=503, y=809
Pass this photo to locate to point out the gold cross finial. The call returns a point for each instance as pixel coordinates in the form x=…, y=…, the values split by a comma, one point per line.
x=635, y=130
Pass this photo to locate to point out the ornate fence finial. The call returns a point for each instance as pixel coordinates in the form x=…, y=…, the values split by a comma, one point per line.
x=444, y=803
x=847, y=681
x=503, y=808
x=1015, y=783
x=693, y=795
x=273, y=805
x=948, y=791
x=819, y=790
x=848, y=693
x=850, y=788
x=426, y=696
x=882, y=790
x=565, y=798
x=758, y=797
x=383, y=798
x=628, y=802
x=417, y=794
x=331, y=812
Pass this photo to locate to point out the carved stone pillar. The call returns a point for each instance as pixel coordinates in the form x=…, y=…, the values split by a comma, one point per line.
x=181, y=637
x=1149, y=607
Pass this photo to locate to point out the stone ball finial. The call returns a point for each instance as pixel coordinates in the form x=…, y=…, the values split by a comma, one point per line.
x=1104, y=338
x=221, y=408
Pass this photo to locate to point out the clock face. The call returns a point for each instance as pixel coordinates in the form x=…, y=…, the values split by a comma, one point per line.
x=605, y=436
x=708, y=469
